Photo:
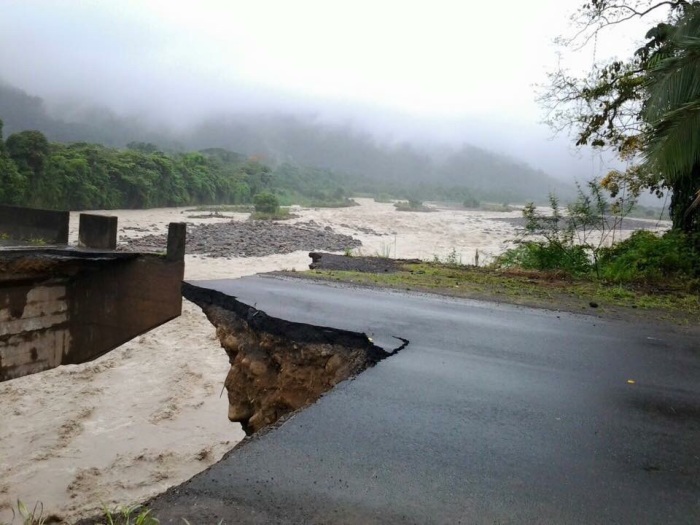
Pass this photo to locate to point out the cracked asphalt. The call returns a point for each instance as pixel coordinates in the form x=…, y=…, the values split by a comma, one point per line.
x=491, y=414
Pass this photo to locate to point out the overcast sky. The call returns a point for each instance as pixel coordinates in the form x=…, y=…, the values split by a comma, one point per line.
x=446, y=69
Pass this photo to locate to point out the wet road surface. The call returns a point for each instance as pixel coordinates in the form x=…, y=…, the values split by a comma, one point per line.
x=491, y=414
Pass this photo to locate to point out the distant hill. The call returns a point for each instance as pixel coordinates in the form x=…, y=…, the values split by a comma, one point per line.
x=375, y=167
x=292, y=139
x=21, y=111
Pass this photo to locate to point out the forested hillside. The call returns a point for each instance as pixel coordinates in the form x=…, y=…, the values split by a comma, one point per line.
x=348, y=159
x=35, y=172
x=488, y=175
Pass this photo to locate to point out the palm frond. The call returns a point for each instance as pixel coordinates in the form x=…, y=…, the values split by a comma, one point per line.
x=674, y=145
x=672, y=107
x=694, y=205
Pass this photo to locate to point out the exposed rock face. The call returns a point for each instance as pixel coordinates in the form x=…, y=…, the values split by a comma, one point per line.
x=278, y=366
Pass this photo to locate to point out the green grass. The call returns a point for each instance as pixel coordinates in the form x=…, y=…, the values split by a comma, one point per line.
x=27, y=516
x=34, y=241
x=134, y=515
x=453, y=258
x=384, y=251
x=673, y=302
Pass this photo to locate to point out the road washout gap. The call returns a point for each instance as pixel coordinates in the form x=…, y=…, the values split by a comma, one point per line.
x=279, y=366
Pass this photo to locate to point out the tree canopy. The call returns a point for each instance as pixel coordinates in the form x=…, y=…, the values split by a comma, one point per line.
x=35, y=172
x=644, y=107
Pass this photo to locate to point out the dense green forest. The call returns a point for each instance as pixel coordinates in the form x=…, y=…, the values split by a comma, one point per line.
x=35, y=172
x=345, y=162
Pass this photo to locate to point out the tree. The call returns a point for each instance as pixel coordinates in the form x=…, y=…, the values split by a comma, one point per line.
x=604, y=107
x=30, y=151
x=608, y=108
x=266, y=203
x=13, y=185
x=143, y=147
x=672, y=110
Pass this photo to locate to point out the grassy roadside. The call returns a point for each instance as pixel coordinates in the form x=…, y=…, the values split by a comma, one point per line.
x=670, y=303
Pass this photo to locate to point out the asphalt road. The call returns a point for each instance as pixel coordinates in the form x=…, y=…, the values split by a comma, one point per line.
x=492, y=414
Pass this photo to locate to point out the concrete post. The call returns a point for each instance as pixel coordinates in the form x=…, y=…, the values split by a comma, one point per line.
x=98, y=231
x=177, y=236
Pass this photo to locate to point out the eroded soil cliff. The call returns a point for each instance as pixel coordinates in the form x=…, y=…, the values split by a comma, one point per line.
x=278, y=366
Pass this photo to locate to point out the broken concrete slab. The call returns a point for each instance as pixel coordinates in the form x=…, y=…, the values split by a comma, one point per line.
x=61, y=305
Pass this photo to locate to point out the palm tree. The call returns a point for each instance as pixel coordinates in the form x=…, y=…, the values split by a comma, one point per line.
x=672, y=110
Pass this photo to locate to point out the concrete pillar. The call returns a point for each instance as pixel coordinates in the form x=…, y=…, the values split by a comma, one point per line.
x=98, y=231
x=177, y=236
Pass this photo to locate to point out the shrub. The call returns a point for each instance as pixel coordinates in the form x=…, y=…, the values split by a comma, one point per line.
x=645, y=256
x=546, y=256
x=572, y=240
x=267, y=203
x=555, y=248
x=411, y=205
x=135, y=515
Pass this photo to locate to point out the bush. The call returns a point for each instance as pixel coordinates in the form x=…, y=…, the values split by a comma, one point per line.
x=546, y=256
x=411, y=205
x=555, y=248
x=267, y=203
x=646, y=256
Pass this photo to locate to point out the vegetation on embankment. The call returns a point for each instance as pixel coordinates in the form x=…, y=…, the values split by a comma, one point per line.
x=567, y=259
x=671, y=302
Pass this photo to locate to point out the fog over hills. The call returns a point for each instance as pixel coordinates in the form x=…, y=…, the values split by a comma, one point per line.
x=432, y=93
x=306, y=140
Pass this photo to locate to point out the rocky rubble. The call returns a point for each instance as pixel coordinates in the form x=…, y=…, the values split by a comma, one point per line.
x=330, y=261
x=250, y=239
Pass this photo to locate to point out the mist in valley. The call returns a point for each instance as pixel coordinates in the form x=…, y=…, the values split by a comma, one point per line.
x=398, y=95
